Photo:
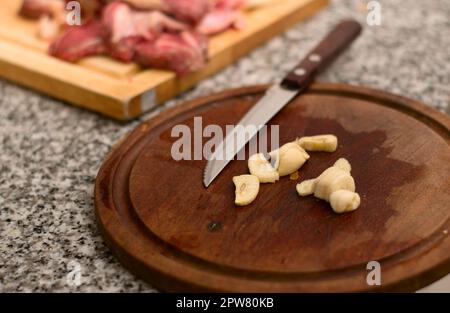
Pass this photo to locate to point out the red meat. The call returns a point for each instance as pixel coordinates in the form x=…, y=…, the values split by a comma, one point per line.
x=79, y=41
x=127, y=27
x=183, y=53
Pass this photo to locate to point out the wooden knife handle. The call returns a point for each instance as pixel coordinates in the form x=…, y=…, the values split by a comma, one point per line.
x=325, y=52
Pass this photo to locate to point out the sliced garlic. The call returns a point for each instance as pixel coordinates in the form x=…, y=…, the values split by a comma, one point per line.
x=327, y=143
x=247, y=188
x=260, y=167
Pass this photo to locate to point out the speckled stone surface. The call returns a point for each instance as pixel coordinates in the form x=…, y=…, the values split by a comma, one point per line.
x=50, y=152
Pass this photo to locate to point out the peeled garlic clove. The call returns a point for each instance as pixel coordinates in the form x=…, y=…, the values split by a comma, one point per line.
x=306, y=187
x=290, y=157
x=260, y=167
x=327, y=143
x=344, y=201
x=333, y=179
x=247, y=188
x=335, y=185
x=343, y=164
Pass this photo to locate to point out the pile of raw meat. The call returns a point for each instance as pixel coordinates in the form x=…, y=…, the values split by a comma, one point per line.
x=165, y=34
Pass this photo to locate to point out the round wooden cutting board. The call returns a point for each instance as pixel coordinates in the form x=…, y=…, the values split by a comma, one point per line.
x=165, y=226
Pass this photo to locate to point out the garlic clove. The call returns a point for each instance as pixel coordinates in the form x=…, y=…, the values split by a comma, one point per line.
x=306, y=187
x=344, y=201
x=327, y=143
x=335, y=185
x=333, y=179
x=343, y=164
x=247, y=188
x=289, y=158
x=260, y=167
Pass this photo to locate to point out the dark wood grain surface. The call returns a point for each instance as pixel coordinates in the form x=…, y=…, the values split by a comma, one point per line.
x=163, y=225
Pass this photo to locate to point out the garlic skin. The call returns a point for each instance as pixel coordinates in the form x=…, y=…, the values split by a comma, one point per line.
x=247, y=188
x=327, y=143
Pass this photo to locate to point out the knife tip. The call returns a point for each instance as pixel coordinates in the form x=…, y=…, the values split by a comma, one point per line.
x=206, y=179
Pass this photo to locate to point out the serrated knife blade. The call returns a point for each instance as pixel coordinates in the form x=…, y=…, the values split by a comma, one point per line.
x=261, y=113
x=279, y=95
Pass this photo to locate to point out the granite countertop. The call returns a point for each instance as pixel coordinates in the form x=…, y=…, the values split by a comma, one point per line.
x=50, y=152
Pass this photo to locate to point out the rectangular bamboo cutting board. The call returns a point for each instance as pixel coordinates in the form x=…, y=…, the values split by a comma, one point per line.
x=124, y=91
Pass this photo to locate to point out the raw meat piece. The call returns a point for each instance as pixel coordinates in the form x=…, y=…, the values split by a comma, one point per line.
x=189, y=10
x=229, y=4
x=147, y=4
x=52, y=14
x=36, y=8
x=225, y=14
x=121, y=22
x=219, y=20
x=52, y=22
x=126, y=28
x=79, y=41
x=183, y=53
x=165, y=34
x=122, y=35
x=90, y=9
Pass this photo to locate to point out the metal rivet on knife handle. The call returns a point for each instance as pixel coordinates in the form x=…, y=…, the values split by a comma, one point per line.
x=329, y=48
x=315, y=57
x=300, y=71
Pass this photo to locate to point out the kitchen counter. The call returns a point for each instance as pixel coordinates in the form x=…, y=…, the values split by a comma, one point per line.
x=50, y=152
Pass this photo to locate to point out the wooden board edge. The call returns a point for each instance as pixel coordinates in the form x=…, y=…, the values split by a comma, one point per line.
x=76, y=95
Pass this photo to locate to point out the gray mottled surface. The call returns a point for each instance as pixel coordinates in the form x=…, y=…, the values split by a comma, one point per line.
x=50, y=152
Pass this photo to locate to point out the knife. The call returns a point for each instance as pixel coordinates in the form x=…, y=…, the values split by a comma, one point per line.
x=277, y=96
